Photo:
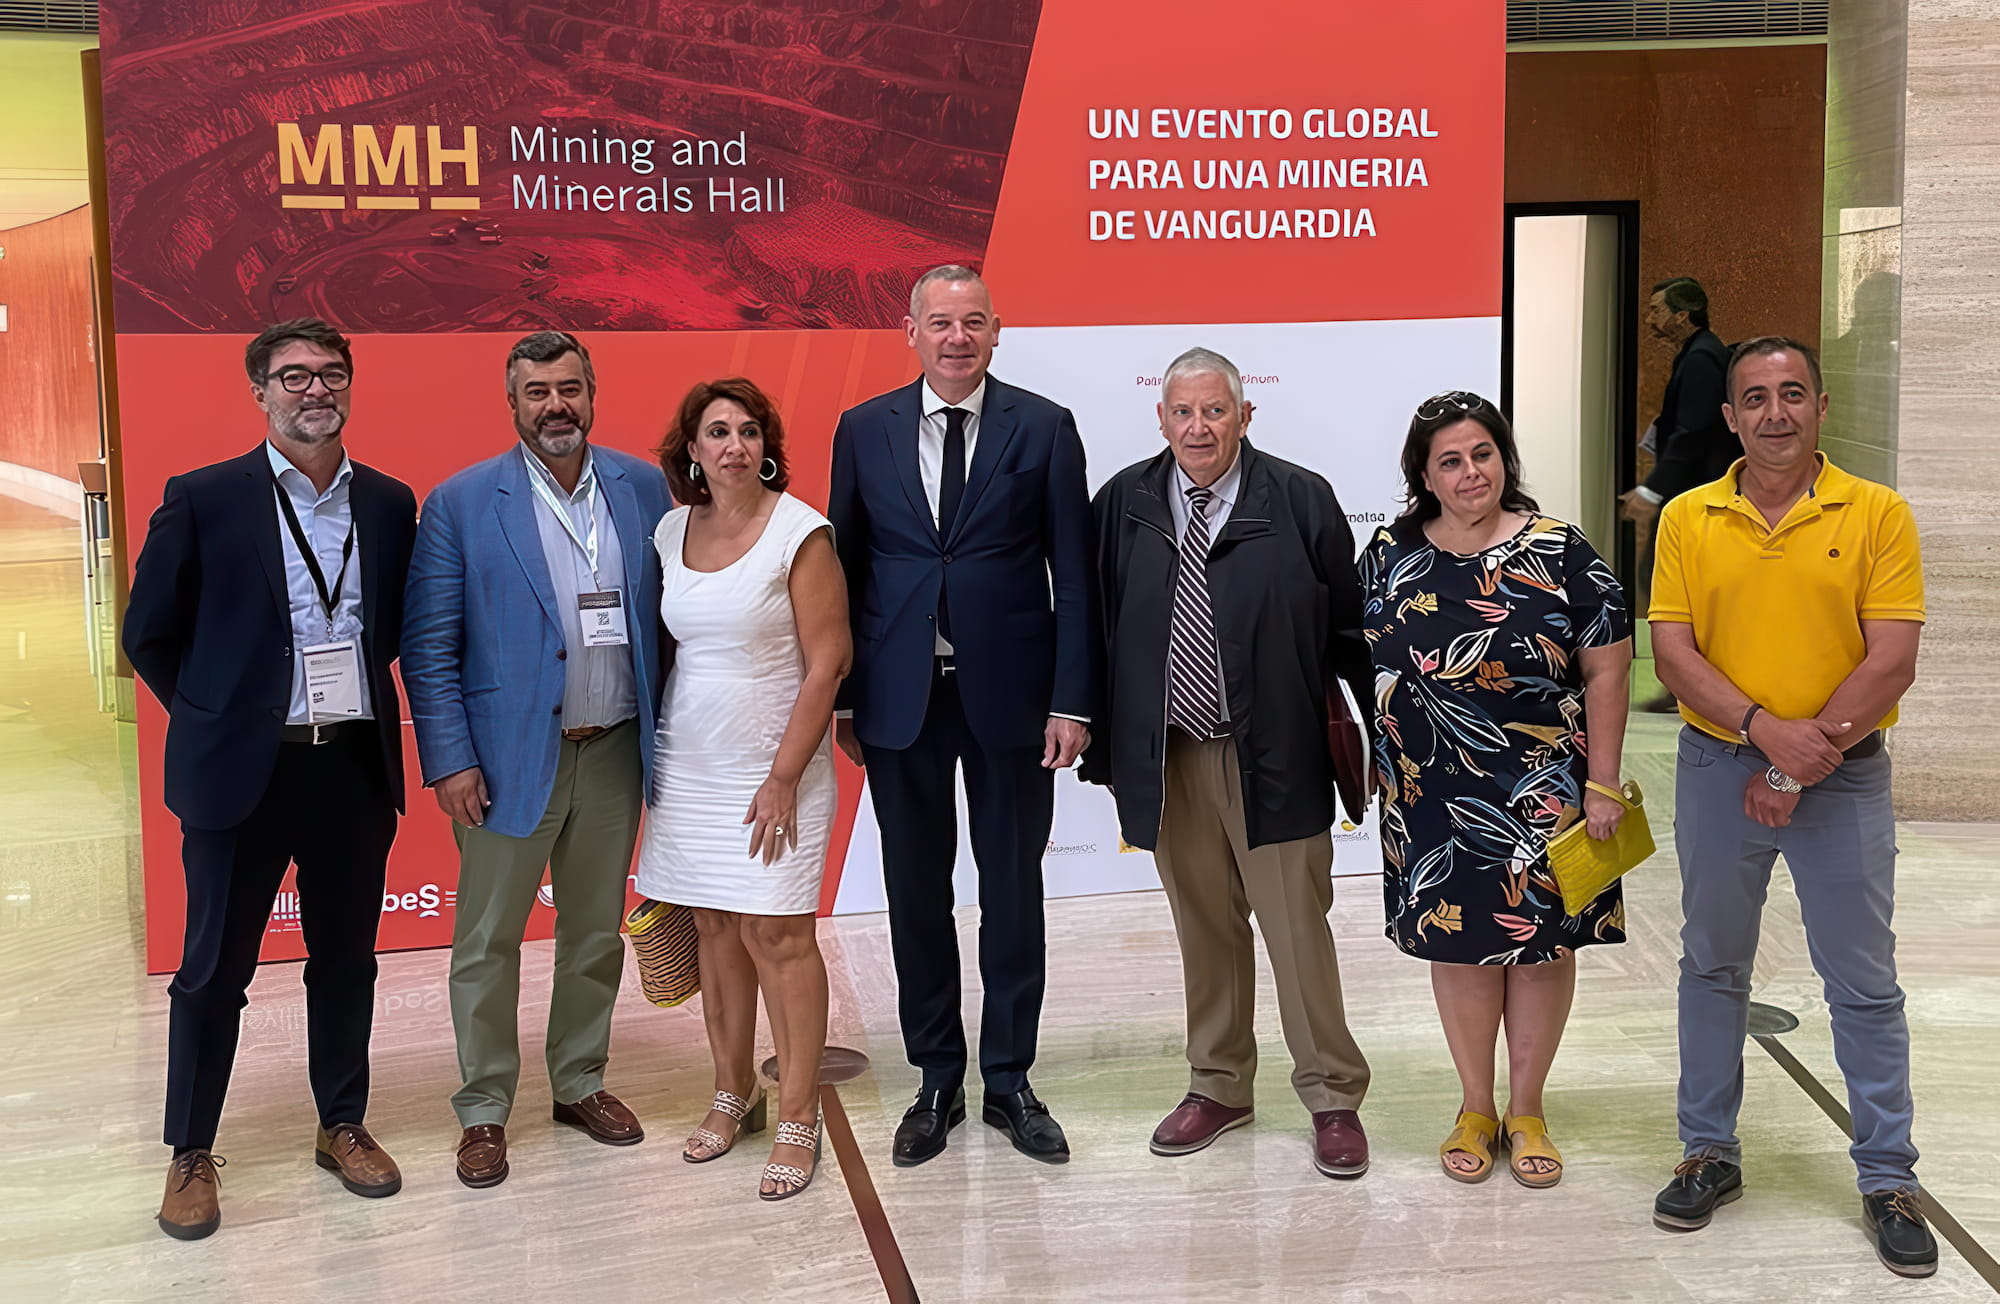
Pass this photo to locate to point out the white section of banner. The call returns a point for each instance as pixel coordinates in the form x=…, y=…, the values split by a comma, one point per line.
x=1333, y=396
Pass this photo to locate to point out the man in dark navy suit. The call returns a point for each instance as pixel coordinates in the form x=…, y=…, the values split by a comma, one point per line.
x=962, y=519
x=266, y=608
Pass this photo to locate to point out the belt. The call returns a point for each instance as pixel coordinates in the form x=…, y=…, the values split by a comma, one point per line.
x=1867, y=747
x=315, y=735
x=584, y=733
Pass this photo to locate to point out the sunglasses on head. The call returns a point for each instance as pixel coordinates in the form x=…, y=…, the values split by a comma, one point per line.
x=1452, y=400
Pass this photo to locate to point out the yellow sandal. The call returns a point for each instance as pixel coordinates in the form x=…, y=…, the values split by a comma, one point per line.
x=1534, y=1143
x=1475, y=1135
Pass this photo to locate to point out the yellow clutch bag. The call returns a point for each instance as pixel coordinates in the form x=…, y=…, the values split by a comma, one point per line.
x=1583, y=867
x=664, y=943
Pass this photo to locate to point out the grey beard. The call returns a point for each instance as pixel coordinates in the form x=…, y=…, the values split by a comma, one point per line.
x=292, y=427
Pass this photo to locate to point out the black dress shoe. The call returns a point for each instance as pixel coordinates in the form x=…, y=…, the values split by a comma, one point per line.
x=1700, y=1184
x=1904, y=1243
x=926, y=1123
x=1027, y=1123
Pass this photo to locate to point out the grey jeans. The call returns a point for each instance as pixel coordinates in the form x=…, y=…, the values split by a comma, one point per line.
x=1841, y=850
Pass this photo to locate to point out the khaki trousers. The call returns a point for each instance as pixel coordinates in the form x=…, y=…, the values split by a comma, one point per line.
x=1215, y=882
x=585, y=841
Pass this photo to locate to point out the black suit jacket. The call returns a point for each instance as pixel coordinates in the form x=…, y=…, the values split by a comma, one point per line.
x=1693, y=442
x=1015, y=566
x=209, y=628
x=1287, y=602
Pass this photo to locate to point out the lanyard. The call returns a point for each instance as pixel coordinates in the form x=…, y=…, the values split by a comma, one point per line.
x=329, y=599
x=539, y=479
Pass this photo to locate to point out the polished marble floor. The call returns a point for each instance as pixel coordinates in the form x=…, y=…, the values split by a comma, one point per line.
x=82, y=1042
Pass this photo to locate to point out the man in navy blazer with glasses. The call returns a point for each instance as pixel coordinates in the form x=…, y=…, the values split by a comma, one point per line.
x=267, y=606
x=962, y=518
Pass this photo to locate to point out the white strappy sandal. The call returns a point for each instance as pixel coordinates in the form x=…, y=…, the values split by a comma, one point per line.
x=787, y=1179
x=749, y=1117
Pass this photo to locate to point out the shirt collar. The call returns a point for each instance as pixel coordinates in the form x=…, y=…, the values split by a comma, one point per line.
x=281, y=467
x=971, y=403
x=1831, y=485
x=584, y=483
x=1225, y=484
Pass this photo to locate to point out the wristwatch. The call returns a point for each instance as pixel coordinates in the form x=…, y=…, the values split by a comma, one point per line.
x=1743, y=730
x=1782, y=782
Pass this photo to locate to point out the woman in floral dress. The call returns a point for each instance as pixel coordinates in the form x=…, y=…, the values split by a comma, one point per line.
x=1503, y=649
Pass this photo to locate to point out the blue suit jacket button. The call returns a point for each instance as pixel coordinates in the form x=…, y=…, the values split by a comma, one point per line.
x=947, y=559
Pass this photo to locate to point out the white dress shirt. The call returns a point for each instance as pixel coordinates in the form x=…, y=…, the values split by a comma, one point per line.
x=1219, y=508
x=930, y=452
x=326, y=518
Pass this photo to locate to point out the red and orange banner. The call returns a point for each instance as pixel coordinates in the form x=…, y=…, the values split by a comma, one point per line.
x=709, y=188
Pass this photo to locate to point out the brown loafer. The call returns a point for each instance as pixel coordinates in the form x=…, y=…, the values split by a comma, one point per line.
x=482, y=1155
x=606, y=1119
x=364, y=1167
x=192, y=1208
x=1194, y=1125
x=1340, y=1147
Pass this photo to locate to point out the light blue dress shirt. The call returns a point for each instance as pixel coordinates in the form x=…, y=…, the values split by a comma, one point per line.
x=598, y=685
x=326, y=519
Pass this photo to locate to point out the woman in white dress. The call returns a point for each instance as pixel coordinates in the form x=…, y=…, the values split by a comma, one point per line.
x=743, y=781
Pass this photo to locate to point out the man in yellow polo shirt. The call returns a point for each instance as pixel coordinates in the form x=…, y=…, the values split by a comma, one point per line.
x=1787, y=602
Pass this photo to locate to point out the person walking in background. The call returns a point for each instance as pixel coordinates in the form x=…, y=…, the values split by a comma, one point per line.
x=532, y=657
x=1502, y=648
x=962, y=520
x=754, y=600
x=1231, y=611
x=1787, y=609
x=267, y=606
x=1690, y=441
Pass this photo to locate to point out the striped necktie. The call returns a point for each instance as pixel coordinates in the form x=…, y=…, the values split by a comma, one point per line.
x=1194, y=691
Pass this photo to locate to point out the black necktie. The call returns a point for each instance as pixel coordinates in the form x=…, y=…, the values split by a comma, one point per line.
x=951, y=488
x=951, y=484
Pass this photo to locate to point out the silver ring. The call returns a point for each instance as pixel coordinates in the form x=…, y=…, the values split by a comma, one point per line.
x=778, y=829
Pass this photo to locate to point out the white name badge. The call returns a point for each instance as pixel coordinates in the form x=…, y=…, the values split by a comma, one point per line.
x=333, y=681
x=603, y=617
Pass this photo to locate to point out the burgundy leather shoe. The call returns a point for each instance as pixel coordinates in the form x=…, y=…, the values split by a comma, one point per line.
x=604, y=1117
x=1340, y=1147
x=1194, y=1125
x=482, y=1155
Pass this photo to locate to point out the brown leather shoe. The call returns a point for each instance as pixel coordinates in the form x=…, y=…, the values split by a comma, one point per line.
x=602, y=1115
x=1340, y=1147
x=482, y=1155
x=1194, y=1125
x=192, y=1208
x=364, y=1167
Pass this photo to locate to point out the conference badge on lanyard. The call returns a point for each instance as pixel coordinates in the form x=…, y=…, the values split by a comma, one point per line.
x=333, y=668
x=603, y=618
x=601, y=614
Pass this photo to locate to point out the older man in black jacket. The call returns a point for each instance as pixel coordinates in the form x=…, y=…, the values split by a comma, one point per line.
x=1231, y=608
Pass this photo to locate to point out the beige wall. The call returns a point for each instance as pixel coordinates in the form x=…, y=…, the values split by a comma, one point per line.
x=1723, y=149
x=1948, y=459
x=44, y=165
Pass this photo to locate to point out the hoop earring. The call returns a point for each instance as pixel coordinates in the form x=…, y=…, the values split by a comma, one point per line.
x=770, y=474
x=694, y=469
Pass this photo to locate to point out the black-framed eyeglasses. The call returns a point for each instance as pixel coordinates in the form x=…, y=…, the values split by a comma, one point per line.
x=1452, y=400
x=297, y=380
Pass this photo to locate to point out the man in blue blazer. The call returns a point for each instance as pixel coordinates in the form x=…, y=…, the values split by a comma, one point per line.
x=532, y=656
x=266, y=608
x=962, y=519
